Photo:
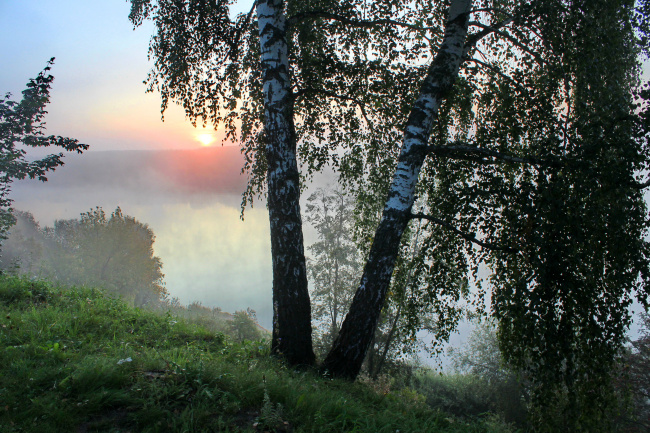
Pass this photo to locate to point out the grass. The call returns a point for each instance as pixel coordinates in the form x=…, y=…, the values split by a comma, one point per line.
x=472, y=396
x=76, y=360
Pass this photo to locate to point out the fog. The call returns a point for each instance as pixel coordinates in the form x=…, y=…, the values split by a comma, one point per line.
x=191, y=200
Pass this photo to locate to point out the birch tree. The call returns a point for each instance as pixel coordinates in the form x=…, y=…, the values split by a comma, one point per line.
x=229, y=71
x=291, y=306
x=351, y=345
x=515, y=130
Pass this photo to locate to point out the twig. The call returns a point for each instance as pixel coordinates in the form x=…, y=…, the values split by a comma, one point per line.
x=462, y=234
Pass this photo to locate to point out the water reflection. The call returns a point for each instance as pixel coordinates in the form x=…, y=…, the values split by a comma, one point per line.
x=210, y=255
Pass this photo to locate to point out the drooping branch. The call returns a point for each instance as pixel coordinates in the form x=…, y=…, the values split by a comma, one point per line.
x=512, y=17
x=467, y=236
x=498, y=72
x=311, y=91
x=234, y=48
x=496, y=29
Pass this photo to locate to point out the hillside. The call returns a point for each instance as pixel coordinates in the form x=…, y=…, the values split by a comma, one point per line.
x=75, y=360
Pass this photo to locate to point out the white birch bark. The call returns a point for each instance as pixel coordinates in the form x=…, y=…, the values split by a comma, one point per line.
x=291, y=308
x=353, y=341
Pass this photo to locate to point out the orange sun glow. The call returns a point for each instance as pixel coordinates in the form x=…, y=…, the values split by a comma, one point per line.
x=205, y=139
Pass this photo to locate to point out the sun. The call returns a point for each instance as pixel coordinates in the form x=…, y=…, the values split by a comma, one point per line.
x=205, y=139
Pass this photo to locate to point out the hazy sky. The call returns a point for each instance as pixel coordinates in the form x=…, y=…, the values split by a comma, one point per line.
x=98, y=96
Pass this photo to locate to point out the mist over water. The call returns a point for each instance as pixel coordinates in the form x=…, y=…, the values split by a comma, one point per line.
x=191, y=200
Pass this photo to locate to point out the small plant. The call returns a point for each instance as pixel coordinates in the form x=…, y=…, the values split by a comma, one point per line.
x=270, y=416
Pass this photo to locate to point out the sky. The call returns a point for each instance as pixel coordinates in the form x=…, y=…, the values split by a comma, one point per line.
x=98, y=95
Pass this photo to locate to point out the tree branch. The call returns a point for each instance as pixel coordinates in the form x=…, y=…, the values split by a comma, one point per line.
x=463, y=151
x=496, y=29
x=492, y=11
x=641, y=185
x=358, y=103
x=298, y=18
x=499, y=73
x=473, y=39
x=466, y=236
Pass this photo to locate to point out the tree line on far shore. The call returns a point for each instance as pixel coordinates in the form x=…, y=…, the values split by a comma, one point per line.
x=115, y=253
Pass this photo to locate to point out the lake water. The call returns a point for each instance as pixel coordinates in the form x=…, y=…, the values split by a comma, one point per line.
x=191, y=200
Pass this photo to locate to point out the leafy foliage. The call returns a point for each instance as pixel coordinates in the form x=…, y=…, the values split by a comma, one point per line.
x=114, y=252
x=244, y=326
x=531, y=176
x=531, y=170
x=579, y=226
x=22, y=127
x=335, y=263
x=635, y=379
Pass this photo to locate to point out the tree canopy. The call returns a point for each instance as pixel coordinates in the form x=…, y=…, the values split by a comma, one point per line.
x=515, y=130
x=113, y=251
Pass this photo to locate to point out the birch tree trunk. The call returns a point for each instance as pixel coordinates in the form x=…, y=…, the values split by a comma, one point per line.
x=291, y=308
x=350, y=347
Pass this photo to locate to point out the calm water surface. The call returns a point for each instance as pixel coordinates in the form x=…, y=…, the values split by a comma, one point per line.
x=191, y=200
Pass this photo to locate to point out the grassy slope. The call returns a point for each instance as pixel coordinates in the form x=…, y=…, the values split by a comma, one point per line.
x=75, y=360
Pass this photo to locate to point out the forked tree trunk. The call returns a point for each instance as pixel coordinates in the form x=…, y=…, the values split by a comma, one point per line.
x=350, y=347
x=291, y=308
